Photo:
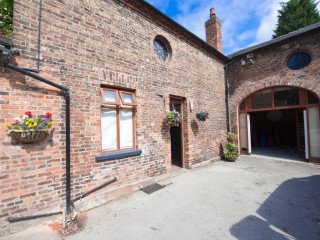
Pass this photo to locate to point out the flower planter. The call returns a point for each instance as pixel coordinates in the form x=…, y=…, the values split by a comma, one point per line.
x=173, y=118
x=29, y=136
x=232, y=159
x=202, y=116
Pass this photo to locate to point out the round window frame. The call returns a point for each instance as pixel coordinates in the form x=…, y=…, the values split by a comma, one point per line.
x=297, y=52
x=166, y=44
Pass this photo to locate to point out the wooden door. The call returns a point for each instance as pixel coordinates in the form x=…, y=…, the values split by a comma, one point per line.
x=176, y=136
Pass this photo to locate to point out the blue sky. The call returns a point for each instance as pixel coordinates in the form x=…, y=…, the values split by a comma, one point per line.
x=244, y=22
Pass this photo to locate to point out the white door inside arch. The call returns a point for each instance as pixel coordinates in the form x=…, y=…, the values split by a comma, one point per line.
x=245, y=133
x=249, y=133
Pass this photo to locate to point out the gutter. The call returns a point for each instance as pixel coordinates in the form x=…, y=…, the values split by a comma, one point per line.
x=6, y=53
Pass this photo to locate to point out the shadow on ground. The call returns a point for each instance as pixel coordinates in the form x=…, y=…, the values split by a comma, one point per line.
x=291, y=212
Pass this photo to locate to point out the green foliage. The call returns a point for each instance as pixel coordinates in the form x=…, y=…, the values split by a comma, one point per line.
x=296, y=14
x=27, y=123
x=6, y=15
x=231, y=155
x=173, y=118
x=231, y=146
x=231, y=136
x=202, y=116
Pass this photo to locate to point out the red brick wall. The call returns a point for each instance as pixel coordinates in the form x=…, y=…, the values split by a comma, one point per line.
x=83, y=46
x=270, y=69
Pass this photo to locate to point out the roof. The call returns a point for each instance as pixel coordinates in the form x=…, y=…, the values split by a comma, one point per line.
x=166, y=22
x=299, y=32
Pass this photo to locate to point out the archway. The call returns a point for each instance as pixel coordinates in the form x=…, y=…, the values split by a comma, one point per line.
x=279, y=119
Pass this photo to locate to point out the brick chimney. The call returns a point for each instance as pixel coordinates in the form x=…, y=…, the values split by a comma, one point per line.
x=214, y=31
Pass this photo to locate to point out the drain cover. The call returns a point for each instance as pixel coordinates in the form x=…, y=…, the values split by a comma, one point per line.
x=152, y=188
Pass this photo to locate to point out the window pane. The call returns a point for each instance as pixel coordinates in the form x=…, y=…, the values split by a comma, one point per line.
x=110, y=96
x=109, y=129
x=126, y=128
x=262, y=100
x=314, y=131
x=127, y=98
x=286, y=97
x=312, y=99
x=299, y=61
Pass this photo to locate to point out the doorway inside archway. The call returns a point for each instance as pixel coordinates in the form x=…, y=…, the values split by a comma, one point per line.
x=274, y=133
x=281, y=122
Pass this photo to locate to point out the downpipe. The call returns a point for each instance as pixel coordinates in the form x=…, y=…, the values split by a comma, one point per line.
x=6, y=58
x=227, y=93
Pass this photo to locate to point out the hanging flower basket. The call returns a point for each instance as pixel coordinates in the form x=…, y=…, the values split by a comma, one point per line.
x=173, y=118
x=29, y=136
x=202, y=116
x=30, y=130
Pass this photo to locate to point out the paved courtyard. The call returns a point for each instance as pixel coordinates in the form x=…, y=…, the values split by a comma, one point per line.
x=254, y=198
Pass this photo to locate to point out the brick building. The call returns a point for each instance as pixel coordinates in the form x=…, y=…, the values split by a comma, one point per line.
x=125, y=64
x=274, y=91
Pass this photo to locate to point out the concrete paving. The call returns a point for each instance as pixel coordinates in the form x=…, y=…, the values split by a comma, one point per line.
x=254, y=198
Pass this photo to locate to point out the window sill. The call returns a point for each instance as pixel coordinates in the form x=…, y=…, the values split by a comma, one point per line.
x=120, y=154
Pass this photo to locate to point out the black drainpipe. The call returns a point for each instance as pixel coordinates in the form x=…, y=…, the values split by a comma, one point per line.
x=39, y=31
x=227, y=93
x=5, y=58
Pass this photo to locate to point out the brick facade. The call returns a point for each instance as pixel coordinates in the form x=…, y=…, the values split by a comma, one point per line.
x=270, y=69
x=86, y=45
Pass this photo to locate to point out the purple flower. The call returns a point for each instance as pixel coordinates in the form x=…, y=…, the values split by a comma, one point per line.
x=24, y=126
x=44, y=120
x=39, y=127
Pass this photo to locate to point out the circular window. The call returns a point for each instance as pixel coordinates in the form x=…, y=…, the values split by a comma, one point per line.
x=299, y=60
x=162, y=48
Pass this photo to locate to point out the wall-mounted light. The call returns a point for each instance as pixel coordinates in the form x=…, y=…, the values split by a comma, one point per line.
x=191, y=106
x=243, y=62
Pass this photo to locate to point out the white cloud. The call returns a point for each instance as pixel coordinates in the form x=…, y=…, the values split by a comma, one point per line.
x=268, y=22
x=246, y=35
x=244, y=22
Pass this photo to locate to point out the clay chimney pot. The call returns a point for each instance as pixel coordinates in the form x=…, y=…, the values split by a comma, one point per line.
x=212, y=12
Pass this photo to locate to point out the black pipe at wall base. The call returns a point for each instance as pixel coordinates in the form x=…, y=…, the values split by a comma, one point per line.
x=95, y=189
x=18, y=219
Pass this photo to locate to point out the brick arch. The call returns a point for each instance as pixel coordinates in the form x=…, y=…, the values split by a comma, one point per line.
x=248, y=88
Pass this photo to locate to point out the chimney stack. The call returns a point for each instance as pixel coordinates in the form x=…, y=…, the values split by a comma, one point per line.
x=214, y=31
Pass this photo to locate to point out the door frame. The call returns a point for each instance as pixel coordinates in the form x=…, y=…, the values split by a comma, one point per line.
x=304, y=112
x=245, y=107
x=178, y=100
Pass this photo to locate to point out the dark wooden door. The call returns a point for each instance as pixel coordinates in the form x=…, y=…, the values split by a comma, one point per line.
x=176, y=136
